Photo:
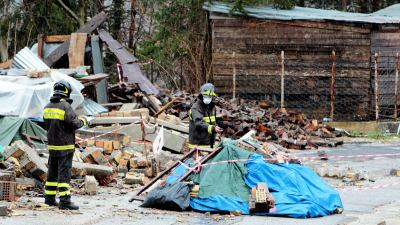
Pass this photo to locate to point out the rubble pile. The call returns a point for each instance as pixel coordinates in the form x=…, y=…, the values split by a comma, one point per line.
x=291, y=130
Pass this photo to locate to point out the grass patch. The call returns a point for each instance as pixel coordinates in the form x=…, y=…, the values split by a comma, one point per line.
x=376, y=135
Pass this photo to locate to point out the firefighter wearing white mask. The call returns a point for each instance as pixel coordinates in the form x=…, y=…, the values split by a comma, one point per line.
x=203, y=124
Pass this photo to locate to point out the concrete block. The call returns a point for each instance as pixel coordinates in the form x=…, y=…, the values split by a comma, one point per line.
x=90, y=185
x=38, y=170
x=108, y=147
x=139, y=171
x=134, y=178
x=30, y=161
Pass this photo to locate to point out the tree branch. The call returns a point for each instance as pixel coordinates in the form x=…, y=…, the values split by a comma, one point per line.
x=70, y=12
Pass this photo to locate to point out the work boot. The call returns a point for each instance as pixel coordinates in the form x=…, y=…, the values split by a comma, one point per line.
x=50, y=202
x=68, y=206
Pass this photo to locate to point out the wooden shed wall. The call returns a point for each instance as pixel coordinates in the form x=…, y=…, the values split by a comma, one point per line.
x=386, y=43
x=308, y=46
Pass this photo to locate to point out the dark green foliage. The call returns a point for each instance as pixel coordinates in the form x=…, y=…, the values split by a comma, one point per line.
x=30, y=18
x=117, y=16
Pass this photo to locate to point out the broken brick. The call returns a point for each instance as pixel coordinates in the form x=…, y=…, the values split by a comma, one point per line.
x=116, y=145
x=98, y=157
x=100, y=144
x=108, y=147
x=126, y=140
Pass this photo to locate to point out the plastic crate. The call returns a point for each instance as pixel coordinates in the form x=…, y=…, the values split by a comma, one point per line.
x=7, y=190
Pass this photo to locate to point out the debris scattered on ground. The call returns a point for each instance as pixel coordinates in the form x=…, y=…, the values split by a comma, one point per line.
x=395, y=172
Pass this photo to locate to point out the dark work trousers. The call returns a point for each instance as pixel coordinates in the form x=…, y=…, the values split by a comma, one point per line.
x=58, y=178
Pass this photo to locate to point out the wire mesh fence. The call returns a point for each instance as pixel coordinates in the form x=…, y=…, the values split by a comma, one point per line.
x=321, y=86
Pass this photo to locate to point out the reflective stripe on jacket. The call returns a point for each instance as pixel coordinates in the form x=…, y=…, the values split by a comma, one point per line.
x=60, y=123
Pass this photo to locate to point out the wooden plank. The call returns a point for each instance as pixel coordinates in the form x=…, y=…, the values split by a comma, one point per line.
x=385, y=35
x=308, y=24
x=95, y=77
x=6, y=64
x=88, y=27
x=293, y=32
x=76, y=51
x=40, y=45
x=56, y=38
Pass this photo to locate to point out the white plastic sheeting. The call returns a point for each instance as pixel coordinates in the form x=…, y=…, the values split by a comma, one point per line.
x=26, y=97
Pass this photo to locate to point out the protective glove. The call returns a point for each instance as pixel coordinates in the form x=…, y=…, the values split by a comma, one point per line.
x=218, y=129
x=84, y=120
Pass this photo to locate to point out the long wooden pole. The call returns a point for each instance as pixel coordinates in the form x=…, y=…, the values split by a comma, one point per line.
x=283, y=80
x=396, y=93
x=234, y=77
x=376, y=88
x=333, y=85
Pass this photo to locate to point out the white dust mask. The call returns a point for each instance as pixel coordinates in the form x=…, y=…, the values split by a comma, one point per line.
x=207, y=99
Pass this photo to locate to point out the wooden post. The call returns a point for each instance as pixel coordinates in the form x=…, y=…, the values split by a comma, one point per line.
x=234, y=77
x=40, y=45
x=396, y=94
x=283, y=80
x=333, y=85
x=376, y=88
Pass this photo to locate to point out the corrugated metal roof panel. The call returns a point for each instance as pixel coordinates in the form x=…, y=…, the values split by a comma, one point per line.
x=130, y=68
x=92, y=108
x=26, y=59
x=302, y=13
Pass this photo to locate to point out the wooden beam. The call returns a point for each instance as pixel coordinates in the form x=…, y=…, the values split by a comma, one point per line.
x=40, y=45
x=88, y=27
x=95, y=77
x=165, y=107
x=76, y=51
x=57, y=38
x=6, y=64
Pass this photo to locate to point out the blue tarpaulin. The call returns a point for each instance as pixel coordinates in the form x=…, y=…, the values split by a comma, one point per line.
x=298, y=191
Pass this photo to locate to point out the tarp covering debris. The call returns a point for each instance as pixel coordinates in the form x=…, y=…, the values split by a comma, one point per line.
x=14, y=128
x=298, y=191
x=26, y=97
x=171, y=196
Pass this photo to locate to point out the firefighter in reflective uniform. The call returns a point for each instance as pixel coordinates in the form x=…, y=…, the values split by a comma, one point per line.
x=60, y=123
x=203, y=124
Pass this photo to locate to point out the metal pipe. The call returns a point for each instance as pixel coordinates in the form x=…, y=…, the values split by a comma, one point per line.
x=376, y=87
x=333, y=85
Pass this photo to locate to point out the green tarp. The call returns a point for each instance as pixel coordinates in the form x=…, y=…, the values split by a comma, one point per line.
x=226, y=178
x=13, y=129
